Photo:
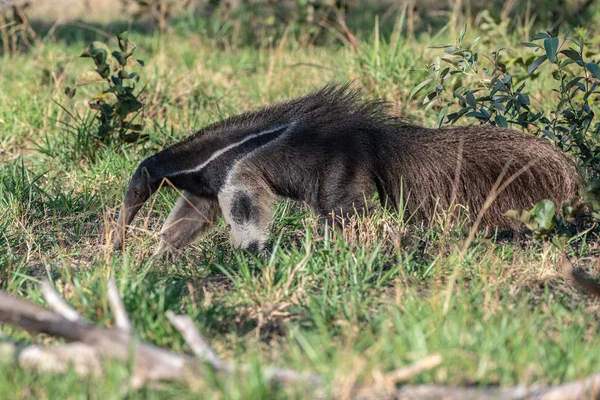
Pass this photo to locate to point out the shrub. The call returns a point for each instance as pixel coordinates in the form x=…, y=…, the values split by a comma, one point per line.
x=482, y=89
x=119, y=104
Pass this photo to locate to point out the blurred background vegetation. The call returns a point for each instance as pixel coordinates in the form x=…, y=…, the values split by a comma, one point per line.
x=265, y=20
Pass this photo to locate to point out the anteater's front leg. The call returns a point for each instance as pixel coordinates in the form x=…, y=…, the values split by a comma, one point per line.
x=246, y=202
x=191, y=216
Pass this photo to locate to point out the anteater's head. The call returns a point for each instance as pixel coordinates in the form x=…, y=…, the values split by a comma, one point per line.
x=142, y=185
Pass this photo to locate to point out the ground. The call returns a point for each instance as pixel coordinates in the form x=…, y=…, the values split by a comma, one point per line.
x=349, y=306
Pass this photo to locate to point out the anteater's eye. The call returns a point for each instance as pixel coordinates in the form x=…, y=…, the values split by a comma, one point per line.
x=136, y=192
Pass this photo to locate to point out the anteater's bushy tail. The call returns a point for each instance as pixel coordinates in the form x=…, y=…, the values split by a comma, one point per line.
x=488, y=169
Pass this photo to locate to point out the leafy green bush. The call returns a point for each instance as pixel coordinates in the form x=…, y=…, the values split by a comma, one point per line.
x=482, y=88
x=465, y=85
x=119, y=103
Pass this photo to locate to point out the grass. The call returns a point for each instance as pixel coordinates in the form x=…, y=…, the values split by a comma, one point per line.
x=349, y=307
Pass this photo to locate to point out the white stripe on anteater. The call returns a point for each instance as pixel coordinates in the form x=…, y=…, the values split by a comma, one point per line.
x=224, y=150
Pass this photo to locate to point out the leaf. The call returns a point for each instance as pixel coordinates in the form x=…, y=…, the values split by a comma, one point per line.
x=480, y=116
x=430, y=96
x=529, y=44
x=572, y=83
x=535, y=64
x=131, y=138
x=123, y=41
x=551, y=46
x=501, y=121
x=572, y=54
x=566, y=62
x=124, y=74
x=126, y=107
x=499, y=107
x=440, y=46
x=441, y=115
x=107, y=97
x=593, y=68
x=121, y=57
x=444, y=73
x=104, y=130
x=470, y=99
x=461, y=100
x=461, y=35
x=499, y=86
x=99, y=56
x=543, y=213
x=541, y=35
x=452, y=118
x=523, y=99
x=91, y=47
x=135, y=127
x=88, y=77
x=418, y=88
x=549, y=134
x=591, y=195
x=103, y=70
x=132, y=62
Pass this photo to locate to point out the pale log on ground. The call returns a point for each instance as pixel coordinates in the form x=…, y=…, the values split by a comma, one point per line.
x=151, y=363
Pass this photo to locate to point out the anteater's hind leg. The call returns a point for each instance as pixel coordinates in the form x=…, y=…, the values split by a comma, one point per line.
x=191, y=216
x=345, y=197
x=246, y=203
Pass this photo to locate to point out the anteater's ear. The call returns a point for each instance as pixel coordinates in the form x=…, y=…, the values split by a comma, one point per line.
x=146, y=175
x=146, y=182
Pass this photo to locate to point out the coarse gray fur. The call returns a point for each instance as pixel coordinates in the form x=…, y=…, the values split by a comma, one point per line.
x=334, y=150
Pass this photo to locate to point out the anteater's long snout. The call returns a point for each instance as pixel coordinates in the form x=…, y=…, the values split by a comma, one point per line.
x=139, y=190
x=126, y=216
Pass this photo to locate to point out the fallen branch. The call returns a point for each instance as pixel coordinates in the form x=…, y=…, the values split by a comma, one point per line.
x=150, y=363
x=405, y=373
x=91, y=344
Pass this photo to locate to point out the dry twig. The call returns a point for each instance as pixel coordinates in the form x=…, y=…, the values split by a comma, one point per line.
x=118, y=308
x=57, y=303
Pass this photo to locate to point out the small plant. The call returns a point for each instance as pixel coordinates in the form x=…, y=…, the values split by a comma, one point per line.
x=466, y=86
x=119, y=103
x=543, y=220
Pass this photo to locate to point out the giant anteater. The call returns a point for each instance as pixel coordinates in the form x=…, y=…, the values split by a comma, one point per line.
x=334, y=150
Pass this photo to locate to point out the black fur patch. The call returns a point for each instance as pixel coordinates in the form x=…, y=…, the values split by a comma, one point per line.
x=253, y=246
x=242, y=209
